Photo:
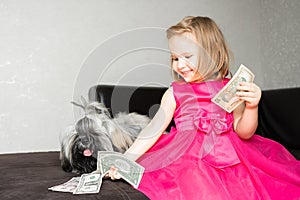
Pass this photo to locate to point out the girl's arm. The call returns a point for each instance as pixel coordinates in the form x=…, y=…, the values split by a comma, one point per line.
x=150, y=134
x=246, y=115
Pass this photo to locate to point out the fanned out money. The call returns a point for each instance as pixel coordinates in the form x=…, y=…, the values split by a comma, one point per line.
x=226, y=98
x=68, y=186
x=86, y=184
x=91, y=183
x=129, y=170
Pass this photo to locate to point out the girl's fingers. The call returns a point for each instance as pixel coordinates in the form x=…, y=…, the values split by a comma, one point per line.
x=245, y=86
x=249, y=92
x=249, y=100
x=106, y=175
x=246, y=94
x=113, y=173
x=248, y=89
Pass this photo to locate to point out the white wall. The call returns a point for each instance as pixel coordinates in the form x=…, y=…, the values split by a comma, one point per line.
x=52, y=51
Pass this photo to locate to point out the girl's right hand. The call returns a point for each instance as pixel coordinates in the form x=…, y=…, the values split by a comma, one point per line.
x=250, y=93
x=113, y=173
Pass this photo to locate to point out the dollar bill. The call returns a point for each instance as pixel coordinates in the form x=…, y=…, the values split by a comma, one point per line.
x=85, y=184
x=88, y=184
x=99, y=156
x=129, y=170
x=226, y=98
x=68, y=186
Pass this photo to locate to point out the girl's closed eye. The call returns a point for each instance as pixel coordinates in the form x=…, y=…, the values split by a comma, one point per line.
x=185, y=57
x=174, y=59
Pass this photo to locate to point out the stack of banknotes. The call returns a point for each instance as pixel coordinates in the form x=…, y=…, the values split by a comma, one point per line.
x=91, y=183
x=226, y=98
x=86, y=184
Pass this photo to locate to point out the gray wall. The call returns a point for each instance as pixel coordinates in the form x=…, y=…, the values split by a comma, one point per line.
x=280, y=43
x=52, y=51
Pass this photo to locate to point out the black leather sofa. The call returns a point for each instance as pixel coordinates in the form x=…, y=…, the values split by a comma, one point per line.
x=27, y=176
x=279, y=113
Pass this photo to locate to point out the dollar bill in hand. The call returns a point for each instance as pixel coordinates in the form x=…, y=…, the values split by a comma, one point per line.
x=69, y=186
x=129, y=170
x=226, y=98
x=99, y=156
x=88, y=184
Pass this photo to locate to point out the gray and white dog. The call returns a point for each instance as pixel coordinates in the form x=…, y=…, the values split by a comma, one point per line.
x=97, y=131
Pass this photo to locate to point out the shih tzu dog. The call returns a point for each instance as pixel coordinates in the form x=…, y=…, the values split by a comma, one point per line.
x=97, y=131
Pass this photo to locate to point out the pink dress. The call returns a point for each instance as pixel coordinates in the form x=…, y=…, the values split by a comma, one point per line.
x=203, y=158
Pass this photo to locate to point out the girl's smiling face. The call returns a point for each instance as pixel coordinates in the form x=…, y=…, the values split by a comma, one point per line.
x=185, y=56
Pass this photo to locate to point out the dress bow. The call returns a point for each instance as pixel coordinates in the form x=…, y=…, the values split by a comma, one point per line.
x=212, y=122
x=216, y=149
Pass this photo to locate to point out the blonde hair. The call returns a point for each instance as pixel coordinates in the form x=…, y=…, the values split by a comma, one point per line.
x=214, y=54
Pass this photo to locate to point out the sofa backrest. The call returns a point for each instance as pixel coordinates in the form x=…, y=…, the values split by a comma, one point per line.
x=279, y=116
x=142, y=100
x=278, y=110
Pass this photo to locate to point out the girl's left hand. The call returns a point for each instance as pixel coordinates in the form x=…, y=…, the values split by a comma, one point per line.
x=113, y=173
x=250, y=93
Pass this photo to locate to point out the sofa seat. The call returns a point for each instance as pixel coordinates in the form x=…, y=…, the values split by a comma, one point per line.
x=28, y=176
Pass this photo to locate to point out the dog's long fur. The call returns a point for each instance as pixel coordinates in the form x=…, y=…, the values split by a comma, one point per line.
x=97, y=131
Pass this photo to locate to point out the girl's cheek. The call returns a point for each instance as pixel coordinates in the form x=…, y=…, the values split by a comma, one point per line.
x=193, y=62
x=174, y=66
x=192, y=65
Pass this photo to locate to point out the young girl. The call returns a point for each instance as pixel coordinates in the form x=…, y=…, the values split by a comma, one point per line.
x=210, y=154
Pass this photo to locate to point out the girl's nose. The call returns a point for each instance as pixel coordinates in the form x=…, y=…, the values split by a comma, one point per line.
x=181, y=63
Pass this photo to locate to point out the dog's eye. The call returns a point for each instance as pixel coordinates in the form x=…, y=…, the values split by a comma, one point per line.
x=84, y=141
x=98, y=111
